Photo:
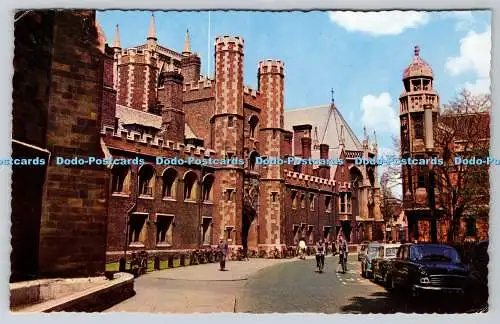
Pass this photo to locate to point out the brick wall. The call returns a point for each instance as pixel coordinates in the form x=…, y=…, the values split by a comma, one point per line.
x=73, y=224
x=190, y=66
x=108, y=103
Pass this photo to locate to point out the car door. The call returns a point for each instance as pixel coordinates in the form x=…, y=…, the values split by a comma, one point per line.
x=399, y=265
x=377, y=261
x=405, y=267
x=396, y=264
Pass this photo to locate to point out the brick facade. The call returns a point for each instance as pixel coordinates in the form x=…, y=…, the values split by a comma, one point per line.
x=58, y=93
x=188, y=206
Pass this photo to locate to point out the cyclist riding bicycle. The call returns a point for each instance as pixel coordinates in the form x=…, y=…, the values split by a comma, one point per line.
x=343, y=254
x=320, y=255
x=302, y=249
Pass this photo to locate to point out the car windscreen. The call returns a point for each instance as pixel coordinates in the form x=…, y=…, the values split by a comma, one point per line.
x=391, y=252
x=436, y=253
x=372, y=250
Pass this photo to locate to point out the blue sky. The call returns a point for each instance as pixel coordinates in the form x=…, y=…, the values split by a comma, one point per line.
x=360, y=55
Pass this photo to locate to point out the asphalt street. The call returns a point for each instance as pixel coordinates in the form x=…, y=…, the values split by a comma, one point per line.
x=288, y=287
x=297, y=287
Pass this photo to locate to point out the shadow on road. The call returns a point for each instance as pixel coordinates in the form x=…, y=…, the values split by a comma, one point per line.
x=389, y=303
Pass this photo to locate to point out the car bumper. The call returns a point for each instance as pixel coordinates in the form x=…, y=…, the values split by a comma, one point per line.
x=431, y=289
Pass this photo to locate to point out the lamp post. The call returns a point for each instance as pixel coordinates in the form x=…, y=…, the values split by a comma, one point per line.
x=429, y=148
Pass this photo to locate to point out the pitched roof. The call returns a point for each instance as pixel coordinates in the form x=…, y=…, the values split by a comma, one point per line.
x=321, y=117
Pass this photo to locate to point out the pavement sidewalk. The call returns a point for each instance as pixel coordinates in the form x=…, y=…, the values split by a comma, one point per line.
x=235, y=270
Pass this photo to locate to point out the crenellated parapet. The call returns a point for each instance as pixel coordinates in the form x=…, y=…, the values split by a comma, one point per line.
x=308, y=181
x=272, y=67
x=229, y=43
x=253, y=98
x=202, y=83
x=152, y=145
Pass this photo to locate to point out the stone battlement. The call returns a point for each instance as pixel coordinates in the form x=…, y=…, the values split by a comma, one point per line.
x=306, y=180
x=271, y=66
x=226, y=41
x=251, y=92
x=136, y=52
x=156, y=142
x=202, y=83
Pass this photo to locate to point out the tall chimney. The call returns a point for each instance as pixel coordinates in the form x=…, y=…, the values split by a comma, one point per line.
x=300, y=131
x=324, y=169
x=306, y=154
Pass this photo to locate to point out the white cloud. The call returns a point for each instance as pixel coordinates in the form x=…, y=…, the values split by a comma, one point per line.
x=378, y=113
x=480, y=86
x=378, y=23
x=475, y=56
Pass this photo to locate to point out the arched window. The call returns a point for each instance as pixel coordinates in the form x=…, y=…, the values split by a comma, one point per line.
x=252, y=159
x=190, y=186
x=169, y=183
x=208, y=182
x=253, y=125
x=120, y=179
x=146, y=180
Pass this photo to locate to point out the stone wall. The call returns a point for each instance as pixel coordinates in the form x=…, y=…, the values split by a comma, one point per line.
x=73, y=224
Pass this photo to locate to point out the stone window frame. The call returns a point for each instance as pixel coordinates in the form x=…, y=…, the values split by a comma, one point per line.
x=296, y=231
x=193, y=189
x=328, y=203
x=133, y=234
x=274, y=196
x=170, y=187
x=418, y=126
x=229, y=194
x=209, y=229
x=208, y=188
x=294, y=196
x=168, y=232
x=146, y=186
x=345, y=200
x=310, y=234
x=123, y=181
x=253, y=121
x=228, y=230
x=312, y=199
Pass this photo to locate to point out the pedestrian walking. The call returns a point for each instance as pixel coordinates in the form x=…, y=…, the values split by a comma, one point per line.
x=223, y=251
x=343, y=250
x=320, y=255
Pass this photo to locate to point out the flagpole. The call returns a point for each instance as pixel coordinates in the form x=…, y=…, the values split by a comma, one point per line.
x=208, y=47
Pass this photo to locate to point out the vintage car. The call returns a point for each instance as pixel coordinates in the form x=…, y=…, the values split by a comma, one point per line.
x=362, y=250
x=421, y=268
x=370, y=254
x=386, y=253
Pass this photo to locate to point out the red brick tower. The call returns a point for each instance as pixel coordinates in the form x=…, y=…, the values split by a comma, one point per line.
x=228, y=126
x=138, y=74
x=170, y=99
x=418, y=95
x=190, y=62
x=272, y=135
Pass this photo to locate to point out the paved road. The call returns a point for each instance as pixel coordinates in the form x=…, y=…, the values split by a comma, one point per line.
x=290, y=288
x=283, y=286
